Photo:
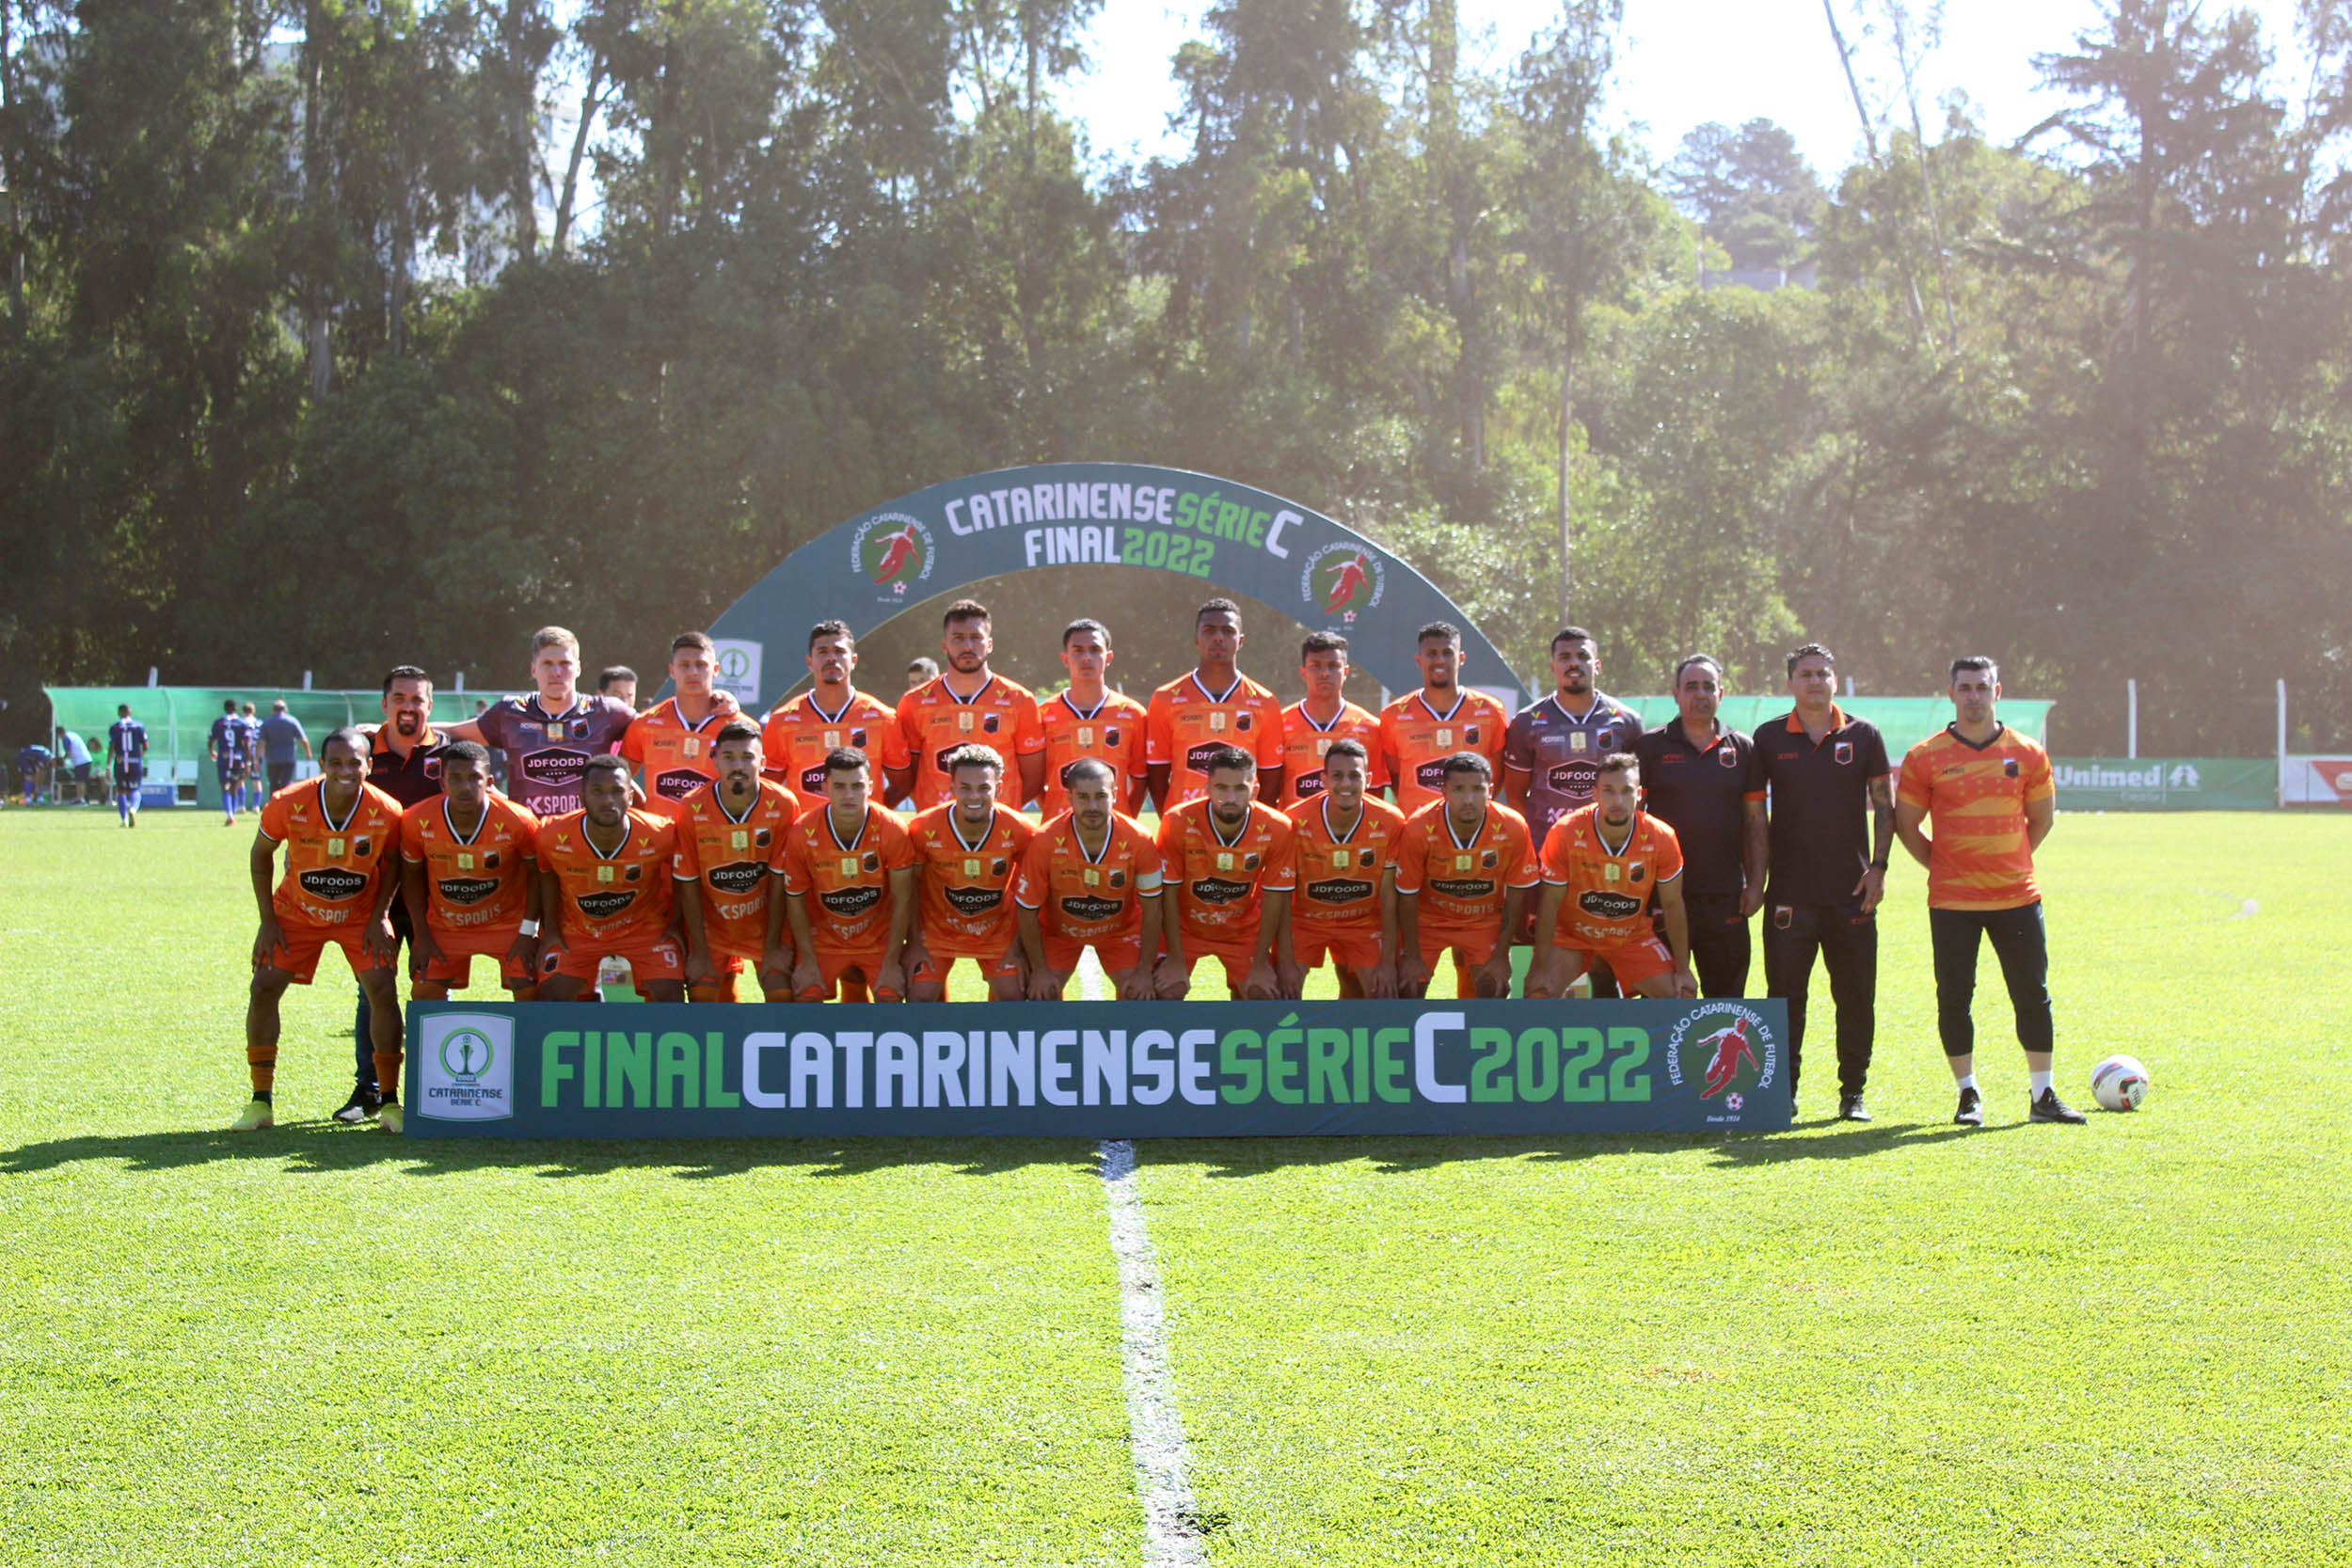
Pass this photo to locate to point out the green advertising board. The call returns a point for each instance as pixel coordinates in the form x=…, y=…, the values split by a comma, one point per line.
x=2166, y=783
x=1133, y=1069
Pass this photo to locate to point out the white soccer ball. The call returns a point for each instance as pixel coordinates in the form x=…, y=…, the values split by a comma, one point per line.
x=2120, y=1082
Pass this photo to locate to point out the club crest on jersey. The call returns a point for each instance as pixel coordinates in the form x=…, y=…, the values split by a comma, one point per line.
x=1727, y=758
x=998, y=868
x=633, y=874
x=1110, y=736
x=988, y=725
x=1241, y=721
x=1470, y=735
x=2009, y=768
x=1843, y=751
x=1119, y=879
x=1487, y=861
x=580, y=729
x=433, y=768
x=872, y=860
x=857, y=739
x=490, y=861
x=761, y=839
x=1608, y=740
x=1250, y=862
x=1636, y=872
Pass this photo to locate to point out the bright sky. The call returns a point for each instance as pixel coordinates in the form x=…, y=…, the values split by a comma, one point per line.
x=1680, y=63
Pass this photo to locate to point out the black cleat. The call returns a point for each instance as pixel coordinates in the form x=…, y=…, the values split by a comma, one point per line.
x=1850, y=1108
x=2047, y=1106
x=1971, y=1112
x=364, y=1104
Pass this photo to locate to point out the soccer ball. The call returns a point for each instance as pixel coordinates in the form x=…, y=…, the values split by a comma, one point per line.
x=2120, y=1082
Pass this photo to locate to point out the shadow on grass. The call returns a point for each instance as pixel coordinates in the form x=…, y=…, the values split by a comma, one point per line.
x=313, y=1147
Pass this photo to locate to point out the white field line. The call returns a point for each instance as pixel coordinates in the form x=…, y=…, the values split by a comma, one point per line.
x=1171, y=1536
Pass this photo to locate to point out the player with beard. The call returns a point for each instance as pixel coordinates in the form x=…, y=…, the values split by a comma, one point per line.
x=342, y=837
x=604, y=891
x=967, y=703
x=1601, y=864
x=1421, y=729
x=672, y=740
x=550, y=735
x=1323, y=716
x=727, y=832
x=1087, y=718
x=832, y=715
x=849, y=893
x=470, y=882
x=1215, y=708
x=1345, y=905
x=1226, y=860
x=1089, y=879
x=1464, y=865
x=967, y=853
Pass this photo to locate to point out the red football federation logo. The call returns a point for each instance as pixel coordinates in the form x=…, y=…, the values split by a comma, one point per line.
x=1346, y=577
x=1729, y=1053
x=1343, y=579
x=1727, y=1048
x=898, y=550
x=893, y=552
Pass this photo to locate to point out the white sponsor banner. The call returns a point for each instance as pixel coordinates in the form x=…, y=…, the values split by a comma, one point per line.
x=2309, y=781
x=739, y=669
x=465, y=1067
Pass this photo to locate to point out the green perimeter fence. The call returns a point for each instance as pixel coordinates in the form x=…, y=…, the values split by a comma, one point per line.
x=179, y=720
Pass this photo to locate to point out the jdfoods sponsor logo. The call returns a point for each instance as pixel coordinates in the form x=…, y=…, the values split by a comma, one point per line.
x=1196, y=758
x=893, y=552
x=555, y=766
x=1609, y=906
x=847, y=901
x=1729, y=1050
x=974, y=900
x=1219, y=890
x=1462, y=887
x=741, y=876
x=465, y=1066
x=678, y=783
x=1341, y=580
x=1092, y=910
x=467, y=889
x=1339, y=889
x=1430, y=775
x=604, y=906
x=1573, y=778
x=333, y=882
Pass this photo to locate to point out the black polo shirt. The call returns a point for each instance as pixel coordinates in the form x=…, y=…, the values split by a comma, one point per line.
x=1701, y=793
x=1821, y=805
x=411, y=780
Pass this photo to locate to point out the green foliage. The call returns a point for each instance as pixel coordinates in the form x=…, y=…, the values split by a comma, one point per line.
x=445, y=318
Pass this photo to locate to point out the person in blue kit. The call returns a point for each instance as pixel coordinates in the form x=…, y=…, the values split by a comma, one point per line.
x=126, y=756
x=225, y=745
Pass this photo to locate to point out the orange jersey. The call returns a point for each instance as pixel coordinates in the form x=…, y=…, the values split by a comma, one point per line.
x=1225, y=878
x=1339, y=879
x=1977, y=795
x=1081, y=898
x=964, y=905
x=611, y=899
x=1461, y=881
x=1419, y=738
x=726, y=856
x=675, y=754
x=1185, y=723
x=1112, y=733
x=332, y=862
x=845, y=878
x=472, y=879
x=1304, y=741
x=933, y=720
x=1607, y=899
x=798, y=734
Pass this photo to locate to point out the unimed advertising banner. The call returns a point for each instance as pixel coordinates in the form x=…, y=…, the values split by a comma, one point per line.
x=2166, y=783
x=1169, y=1069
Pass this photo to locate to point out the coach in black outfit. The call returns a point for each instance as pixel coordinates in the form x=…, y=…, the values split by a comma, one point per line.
x=1824, y=769
x=1704, y=782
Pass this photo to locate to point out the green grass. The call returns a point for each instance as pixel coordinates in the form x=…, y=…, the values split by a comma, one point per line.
x=2125, y=1342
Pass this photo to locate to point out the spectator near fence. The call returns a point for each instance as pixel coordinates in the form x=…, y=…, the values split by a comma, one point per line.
x=281, y=732
x=75, y=752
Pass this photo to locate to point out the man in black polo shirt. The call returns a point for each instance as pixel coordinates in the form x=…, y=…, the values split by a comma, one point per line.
x=1824, y=769
x=404, y=762
x=1704, y=782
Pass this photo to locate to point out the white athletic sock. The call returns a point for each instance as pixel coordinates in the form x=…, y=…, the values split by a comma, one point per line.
x=2038, y=1082
x=1966, y=1081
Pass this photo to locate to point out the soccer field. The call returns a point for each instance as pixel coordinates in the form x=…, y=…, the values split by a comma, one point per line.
x=2125, y=1342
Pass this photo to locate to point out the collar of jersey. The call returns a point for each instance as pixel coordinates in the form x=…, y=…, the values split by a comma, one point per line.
x=1089, y=713
x=956, y=828
x=863, y=823
x=629, y=826
x=333, y=826
x=1600, y=834
x=1599, y=701
x=834, y=718
x=1999, y=730
x=1335, y=717
x=967, y=702
x=1208, y=816
x=450, y=823
x=1461, y=695
x=1474, y=832
x=1110, y=835
x=1360, y=814
x=1194, y=675
x=679, y=714
x=718, y=798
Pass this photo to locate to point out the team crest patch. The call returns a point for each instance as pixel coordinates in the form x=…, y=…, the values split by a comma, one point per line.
x=1844, y=752
x=997, y=869
x=1728, y=759
x=433, y=768
x=490, y=861
x=1241, y=722
x=1470, y=736
x=1637, y=870
x=1110, y=736
x=761, y=838
x=857, y=739
x=1487, y=861
x=1119, y=879
x=1608, y=740
x=988, y=725
x=359, y=846
x=634, y=874
x=872, y=860
x=2008, y=769
x=580, y=729
x=1250, y=862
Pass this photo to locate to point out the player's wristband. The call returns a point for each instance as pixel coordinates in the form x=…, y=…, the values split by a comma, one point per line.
x=528, y=927
x=1877, y=866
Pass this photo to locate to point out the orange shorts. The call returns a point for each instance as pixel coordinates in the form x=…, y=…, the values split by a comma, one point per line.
x=830, y=967
x=1116, y=954
x=1237, y=957
x=455, y=967
x=1632, y=962
x=1470, y=949
x=649, y=957
x=1356, y=949
x=1002, y=965
x=300, y=946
